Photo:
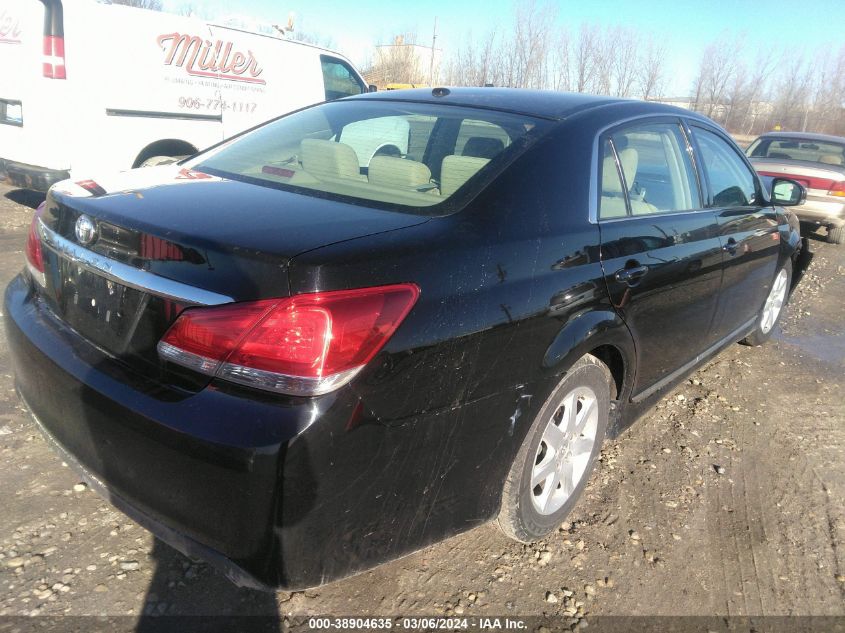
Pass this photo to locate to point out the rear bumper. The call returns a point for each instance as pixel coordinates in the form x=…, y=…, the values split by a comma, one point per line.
x=821, y=211
x=30, y=176
x=199, y=470
x=276, y=492
x=175, y=539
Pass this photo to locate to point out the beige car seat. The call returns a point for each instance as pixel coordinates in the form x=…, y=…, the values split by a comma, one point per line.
x=830, y=159
x=328, y=159
x=612, y=201
x=483, y=147
x=398, y=173
x=456, y=170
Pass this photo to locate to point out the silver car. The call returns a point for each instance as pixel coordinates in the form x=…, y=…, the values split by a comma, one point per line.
x=817, y=161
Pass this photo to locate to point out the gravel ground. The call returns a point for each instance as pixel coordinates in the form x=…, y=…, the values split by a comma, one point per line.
x=726, y=499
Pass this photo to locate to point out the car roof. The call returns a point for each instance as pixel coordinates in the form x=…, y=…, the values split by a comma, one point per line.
x=547, y=104
x=805, y=136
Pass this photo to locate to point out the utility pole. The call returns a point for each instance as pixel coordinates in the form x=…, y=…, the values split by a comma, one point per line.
x=431, y=66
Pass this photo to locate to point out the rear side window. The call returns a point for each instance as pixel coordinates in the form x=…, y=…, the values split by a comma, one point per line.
x=339, y=78
x=656, y=172
x=732, y=182
x=808, y=150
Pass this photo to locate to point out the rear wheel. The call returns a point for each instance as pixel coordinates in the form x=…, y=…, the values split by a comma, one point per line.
x=772, y=309
x=557, y=456
x=836, y=234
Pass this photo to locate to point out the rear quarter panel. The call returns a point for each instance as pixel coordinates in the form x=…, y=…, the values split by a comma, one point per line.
x=444, y=408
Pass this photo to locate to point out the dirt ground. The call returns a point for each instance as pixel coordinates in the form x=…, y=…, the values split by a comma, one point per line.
x=727, y=499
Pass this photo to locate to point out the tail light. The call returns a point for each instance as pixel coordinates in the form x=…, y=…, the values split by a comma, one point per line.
x=305, y=345
x=54, y=57
x=838, y=189
x=34, y=255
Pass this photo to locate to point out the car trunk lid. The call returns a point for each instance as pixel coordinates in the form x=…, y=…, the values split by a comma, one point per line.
x=167, y=238
x=817, y=178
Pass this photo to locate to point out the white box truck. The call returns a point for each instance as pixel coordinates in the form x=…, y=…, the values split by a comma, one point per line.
x=88, y=86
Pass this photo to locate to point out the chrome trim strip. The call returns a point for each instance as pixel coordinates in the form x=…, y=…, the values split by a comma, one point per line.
x=155, y=114
x=36, y=274
x=126, y=275
x=256, y=378
x=282, y=383
x=742, y=331
x=202, y=364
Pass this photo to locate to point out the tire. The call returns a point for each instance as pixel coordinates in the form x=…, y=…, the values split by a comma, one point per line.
x=153, y=161
x=773, y=308
x=529, y=513
x=836, y=234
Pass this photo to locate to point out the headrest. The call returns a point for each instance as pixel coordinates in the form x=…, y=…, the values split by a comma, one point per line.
x=610, y=177
x=830, y=159
x=483, y=147
x=456, y=170
x=328, y=159
x=401, y=173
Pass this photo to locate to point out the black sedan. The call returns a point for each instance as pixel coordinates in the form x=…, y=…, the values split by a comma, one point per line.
x=297, y=359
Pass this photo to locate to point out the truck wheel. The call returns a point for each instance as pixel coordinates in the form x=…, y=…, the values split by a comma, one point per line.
x=554, y=463
x=152, y=161
x=836, y=234
x=772, y=309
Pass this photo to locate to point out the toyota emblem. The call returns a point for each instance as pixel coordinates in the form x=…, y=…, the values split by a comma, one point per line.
x=86, y=230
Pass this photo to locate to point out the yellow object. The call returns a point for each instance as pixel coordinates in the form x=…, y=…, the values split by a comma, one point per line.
x=404, y=86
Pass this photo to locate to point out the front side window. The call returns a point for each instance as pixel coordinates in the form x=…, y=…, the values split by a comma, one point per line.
x=399, y=155
x=732, y=182
x=656, y=172
x=339, y=79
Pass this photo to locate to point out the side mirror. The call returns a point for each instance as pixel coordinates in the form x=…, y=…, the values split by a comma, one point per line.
x=787, y=193
x=372, y=88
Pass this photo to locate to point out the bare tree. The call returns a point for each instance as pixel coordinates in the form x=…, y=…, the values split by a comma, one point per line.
x=622, y=50
x=792, y=104
x=584, y=56
x=651, y=69
x=398, y=62
x=828, y=96
x=560, y=64
x=741, y=94
x=717, y=69
x=530, y=44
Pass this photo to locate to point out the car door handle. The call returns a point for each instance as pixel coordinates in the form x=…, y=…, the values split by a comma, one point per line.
x=629, y=275
x=730, y=246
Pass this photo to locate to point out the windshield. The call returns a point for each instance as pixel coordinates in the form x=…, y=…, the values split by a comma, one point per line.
x=387, y=154
x=824, y=152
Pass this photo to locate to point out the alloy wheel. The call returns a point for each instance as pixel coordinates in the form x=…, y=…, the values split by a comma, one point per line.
x=774, y=302
x=565, y=449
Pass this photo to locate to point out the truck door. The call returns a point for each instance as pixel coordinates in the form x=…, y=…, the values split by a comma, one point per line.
x=262, y=77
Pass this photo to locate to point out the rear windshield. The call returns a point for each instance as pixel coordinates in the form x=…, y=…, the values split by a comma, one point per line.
x=824, y=152
x=417, y=157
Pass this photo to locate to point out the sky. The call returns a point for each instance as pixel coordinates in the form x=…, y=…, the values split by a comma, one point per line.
x=683, y=26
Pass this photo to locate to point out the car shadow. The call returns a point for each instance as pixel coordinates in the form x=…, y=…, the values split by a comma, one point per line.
x=26, y=197
x=186, y=594
x=814, y=233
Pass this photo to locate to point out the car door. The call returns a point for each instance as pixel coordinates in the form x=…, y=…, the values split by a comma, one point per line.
x=748, y=230
x=660, y=247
